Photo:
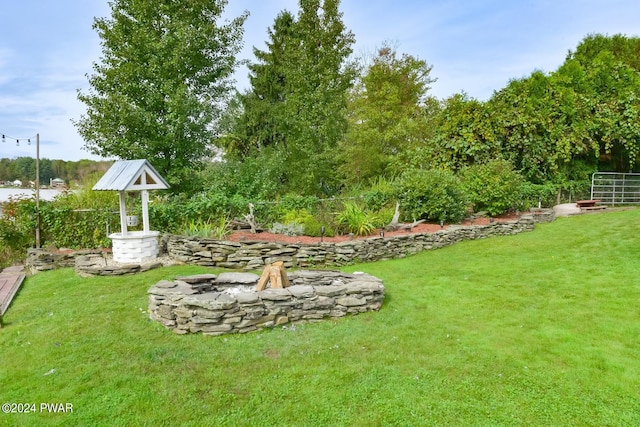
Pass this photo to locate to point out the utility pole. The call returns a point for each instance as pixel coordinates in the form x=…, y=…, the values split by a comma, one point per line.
x=38, y=190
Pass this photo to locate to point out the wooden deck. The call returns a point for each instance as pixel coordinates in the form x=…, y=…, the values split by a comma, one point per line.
x=11, y=279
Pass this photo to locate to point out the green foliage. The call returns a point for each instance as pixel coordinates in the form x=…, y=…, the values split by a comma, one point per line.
x=260, y=117
x=80, y=219
x=160, y=86
x=209, y=229
x=17, y=229
x=66, y=228
x=311, y=225
x=534, y=195
x=493, y=187
x=354, y=219
x=18, y=222
x=386, y=114
x=83, y=218
x=464, y=133
x=167, y=213
x=624, y=49
x=379, y=194
x=295, y=113
x=384, y=216
x=255, y=179
x=295, y=202
x=172, y=213
x=431, y=194
x=584, y=112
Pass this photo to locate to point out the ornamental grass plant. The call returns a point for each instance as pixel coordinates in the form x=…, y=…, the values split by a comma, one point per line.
x=535, y=329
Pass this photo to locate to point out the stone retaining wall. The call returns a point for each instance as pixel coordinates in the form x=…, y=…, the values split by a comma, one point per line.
x=229, y=303
x=43, y=259
x=252, y=255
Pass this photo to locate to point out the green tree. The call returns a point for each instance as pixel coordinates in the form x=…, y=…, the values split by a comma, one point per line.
x=464, y=135
x=610, y=88
x=262, y=122
x=163, y=79
x=557, y=127
x=624, y=49
x=25, y=169
x=295, y=113
x=387, y=114
x=46, y=171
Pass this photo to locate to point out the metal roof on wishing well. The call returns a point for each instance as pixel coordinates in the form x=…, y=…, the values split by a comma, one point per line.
x=123, y=173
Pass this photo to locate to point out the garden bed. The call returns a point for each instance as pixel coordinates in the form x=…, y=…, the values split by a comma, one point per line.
x=245, y=235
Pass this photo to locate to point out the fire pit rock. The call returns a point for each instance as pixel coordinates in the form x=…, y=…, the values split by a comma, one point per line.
x=229, y=303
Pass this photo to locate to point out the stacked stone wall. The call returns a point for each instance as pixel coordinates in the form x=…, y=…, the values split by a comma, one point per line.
x=229, y=303
x=43, y=259
x=252, y=255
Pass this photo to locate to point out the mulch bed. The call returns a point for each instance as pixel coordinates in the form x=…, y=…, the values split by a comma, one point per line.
x=265, y=236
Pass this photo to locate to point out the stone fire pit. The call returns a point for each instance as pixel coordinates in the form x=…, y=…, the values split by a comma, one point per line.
x=229, y=303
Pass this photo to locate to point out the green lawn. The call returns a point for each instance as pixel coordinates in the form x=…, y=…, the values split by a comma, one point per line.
x=538, y=329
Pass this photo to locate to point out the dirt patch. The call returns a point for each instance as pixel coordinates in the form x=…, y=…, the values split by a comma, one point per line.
x=272, y=353
x=265, y=236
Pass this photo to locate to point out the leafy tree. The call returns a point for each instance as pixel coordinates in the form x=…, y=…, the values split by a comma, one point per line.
x=46, y=171
x=161, y=84
x=624, y=49
x=386, y=114
x=524, y=115
x=583, y=115
x=611, y=91
x=464, y=134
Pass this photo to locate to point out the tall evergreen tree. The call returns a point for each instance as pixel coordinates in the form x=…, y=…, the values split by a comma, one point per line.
x=160, y=87
x=261, y=123
x=297, y=103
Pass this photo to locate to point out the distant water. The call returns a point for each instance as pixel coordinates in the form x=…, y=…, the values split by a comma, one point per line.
x=45, y=193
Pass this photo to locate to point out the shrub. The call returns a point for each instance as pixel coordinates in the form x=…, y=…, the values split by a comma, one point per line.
x=533, y=195
x=384, y=216
x=311, y=225
x=166, y=215
x=431, y=194
x=17, y=225
x=72, y=228
x=493, y=186
x=354, y=219
x=80, y=219
x=210, y=229
x=379, y=195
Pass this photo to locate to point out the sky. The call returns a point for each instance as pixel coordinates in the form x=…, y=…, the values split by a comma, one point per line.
x=47, y=48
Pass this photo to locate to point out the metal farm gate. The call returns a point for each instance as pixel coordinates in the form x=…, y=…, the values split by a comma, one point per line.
x=616, y=188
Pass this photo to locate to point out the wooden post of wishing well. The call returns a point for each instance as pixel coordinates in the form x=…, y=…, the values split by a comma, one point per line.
x=273, y=273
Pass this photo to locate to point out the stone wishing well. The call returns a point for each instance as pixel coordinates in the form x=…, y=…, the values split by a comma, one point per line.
x=229, y=303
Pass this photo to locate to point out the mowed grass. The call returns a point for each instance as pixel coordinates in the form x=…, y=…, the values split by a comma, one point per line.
x=538, y=329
